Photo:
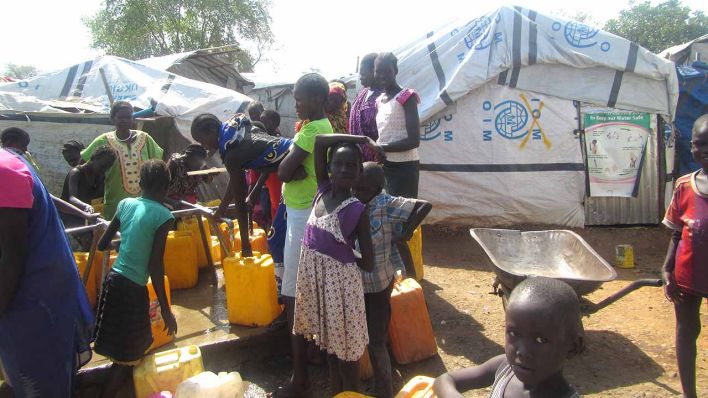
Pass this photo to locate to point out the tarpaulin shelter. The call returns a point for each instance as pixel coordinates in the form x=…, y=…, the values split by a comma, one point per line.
x=73, y=103
x=502, y=96
x=691, y=61
x=210, y=65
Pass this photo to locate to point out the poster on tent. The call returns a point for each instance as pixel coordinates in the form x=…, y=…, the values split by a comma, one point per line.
x=615, y=144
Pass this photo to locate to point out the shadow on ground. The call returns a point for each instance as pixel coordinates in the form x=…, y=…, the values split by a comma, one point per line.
x=623, y=364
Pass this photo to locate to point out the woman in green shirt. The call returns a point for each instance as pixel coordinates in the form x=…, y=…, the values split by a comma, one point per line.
x=133, y=148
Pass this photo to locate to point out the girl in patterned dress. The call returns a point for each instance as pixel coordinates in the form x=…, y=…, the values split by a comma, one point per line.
x=329, y=299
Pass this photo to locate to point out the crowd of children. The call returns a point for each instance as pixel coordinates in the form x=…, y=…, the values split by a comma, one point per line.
x=338, y=226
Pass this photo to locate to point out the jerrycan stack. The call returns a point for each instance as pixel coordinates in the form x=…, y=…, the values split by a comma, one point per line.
x=191, y=224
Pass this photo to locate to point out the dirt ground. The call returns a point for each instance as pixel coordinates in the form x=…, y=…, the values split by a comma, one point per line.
x=629, y=345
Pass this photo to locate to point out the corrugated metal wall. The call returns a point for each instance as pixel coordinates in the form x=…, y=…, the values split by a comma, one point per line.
x=644, y=209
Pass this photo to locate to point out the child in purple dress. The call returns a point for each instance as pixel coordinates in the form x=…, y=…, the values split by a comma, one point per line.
x=329, y=300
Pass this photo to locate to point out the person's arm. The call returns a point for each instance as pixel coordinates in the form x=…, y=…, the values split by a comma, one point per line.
x=237, y=182
x=226, y=200
x=105, y=242
x=452, y=384
x=154, y=150
x=13, y=246
x=363, y=234
x=156, y=268
x=254, y=195
x=291, y=168
x=68, y=208
x=671, y=291
x=420, y=211
x=412, y=140
x=406, y=257
x=74, y=192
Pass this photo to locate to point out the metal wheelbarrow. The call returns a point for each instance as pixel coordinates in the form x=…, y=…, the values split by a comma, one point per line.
x=559, y=254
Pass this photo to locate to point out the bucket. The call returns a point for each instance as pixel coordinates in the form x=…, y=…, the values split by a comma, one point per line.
x=624, y=256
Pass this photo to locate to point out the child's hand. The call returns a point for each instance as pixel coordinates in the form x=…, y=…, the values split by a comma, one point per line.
x=170, y=321
x=671, y=290
x=378, y=150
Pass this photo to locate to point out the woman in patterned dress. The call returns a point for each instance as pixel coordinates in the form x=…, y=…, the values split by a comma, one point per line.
x=133, y=148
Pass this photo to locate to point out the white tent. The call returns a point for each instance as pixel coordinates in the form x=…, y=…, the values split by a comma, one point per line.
x=501, y=99
x=95, y=83
x=73, y=103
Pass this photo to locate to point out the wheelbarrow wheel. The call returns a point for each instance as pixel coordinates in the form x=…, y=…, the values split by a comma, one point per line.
x=502, y=291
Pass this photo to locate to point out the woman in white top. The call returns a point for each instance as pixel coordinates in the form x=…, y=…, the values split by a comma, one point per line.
x=399, y=129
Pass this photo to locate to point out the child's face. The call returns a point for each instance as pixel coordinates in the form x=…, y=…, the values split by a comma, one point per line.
x=270, y=124
x=536, y=344
x=72, y=157
x=208, y=140
x=344, y=167
x=195, y=162
x=306, y=105
x=699, y=146
x=365, y=189
x=384, y=74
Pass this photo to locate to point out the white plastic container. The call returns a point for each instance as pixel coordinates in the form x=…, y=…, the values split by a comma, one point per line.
x=208, y=384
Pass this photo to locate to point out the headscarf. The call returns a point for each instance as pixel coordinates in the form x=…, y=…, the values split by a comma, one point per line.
x=338, y=118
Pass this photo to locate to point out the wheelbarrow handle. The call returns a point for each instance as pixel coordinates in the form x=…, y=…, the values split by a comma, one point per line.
x=639, y=283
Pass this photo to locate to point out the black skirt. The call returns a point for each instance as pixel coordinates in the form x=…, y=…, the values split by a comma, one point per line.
x=123, y=331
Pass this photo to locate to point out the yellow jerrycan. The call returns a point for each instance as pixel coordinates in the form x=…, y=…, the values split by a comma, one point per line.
x=164, y=371
x=91, y=291
x=190, y=224
x=415, y=244
x=157, y=324
x=418, y=387
x=251, y=293
x=410, y=330
x=181, y=260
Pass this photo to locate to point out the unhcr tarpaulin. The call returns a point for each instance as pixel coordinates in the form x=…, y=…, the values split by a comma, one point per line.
x=527, y=50
x=90, y=84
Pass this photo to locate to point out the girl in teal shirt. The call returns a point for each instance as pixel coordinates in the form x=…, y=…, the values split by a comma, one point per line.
x=123, y=331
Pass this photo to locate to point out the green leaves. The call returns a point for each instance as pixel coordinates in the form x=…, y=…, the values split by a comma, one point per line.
x=659, y=27
x=136, y=29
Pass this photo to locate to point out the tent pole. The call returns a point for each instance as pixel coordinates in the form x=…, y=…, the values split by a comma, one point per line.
x=105, y=85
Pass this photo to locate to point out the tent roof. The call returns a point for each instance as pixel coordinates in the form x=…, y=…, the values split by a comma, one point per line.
x=524, y=49
x=210, y=65
x=94, y=84
x=681, y=54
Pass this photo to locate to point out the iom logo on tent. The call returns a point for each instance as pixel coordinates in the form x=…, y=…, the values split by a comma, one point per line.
x=515, y=120
x=511, y=119
x=433, y=131
x=580, y=35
